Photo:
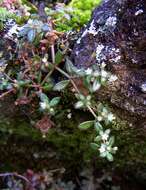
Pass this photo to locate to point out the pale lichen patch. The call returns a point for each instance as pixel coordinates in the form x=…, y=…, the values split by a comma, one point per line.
x=111, y=21
x=99, y=49
x=114, y=54
x=111, y=54
x=92, y=29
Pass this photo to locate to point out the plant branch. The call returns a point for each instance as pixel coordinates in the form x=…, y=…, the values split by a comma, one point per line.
x=6, y=93
x=76, y=88
x=53, y=54
x=71, y=80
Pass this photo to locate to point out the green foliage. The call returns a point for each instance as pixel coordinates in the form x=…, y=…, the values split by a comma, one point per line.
x=85, y=4
x=47, y=105
x=73, y=16
x=82, y=11
x=30, y=6
x=33, y=28
x=86, y=125
x=61, y=85
x=4, y=15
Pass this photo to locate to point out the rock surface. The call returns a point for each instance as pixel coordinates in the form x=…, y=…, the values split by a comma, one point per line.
x=116, y=35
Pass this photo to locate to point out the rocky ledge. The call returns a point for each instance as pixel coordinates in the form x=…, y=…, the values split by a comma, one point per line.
x=116, y=36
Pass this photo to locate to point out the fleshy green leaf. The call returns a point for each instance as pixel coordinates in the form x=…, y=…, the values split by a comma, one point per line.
x=110, y=157
x=72, y=69
x=79, y=104
x=96, y=86
x=94, y=146
x=98, y=126
x=43, y=97
x=103, y=154
x=54, y=101
x=111, y=140
x=98, y=138
x=86, y=125
x=69, y=66
x=58, y=57
x=80, y=96
x=61, y=85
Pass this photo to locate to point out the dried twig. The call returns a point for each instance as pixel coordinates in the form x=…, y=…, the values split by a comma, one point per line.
x=6, y=93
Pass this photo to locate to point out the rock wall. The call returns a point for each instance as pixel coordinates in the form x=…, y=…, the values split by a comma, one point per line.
x=116, y=35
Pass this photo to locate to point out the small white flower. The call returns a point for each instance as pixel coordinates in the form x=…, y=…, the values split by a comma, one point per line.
x=102, y=149
x=109, y=148
x=43, y=105
x=104, y=136
x=44, y=136
x=88, y=71
x=115, y=148
x=103, y=80
x=96, y=73
x=99, y=118
x=110, y=117
x=30, y=21
x=104, y=74
x=88, y=98
x=45, y=60
x=104, y=112
x=51, y=110
x=69, y=116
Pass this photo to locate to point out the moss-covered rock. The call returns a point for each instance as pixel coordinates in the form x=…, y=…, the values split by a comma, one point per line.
x=64, y=143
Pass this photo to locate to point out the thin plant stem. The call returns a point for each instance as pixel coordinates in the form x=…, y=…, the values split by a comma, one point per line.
x=76, y=88
x=16, y=175
x=91, y=111
x=6, y=93
x=53, y=54
x=46, y=77
x=65, y=74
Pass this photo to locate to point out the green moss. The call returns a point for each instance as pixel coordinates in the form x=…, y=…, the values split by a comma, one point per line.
x=71, y=145
x=4, y=15
x=73, y=16
x=84, y=5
